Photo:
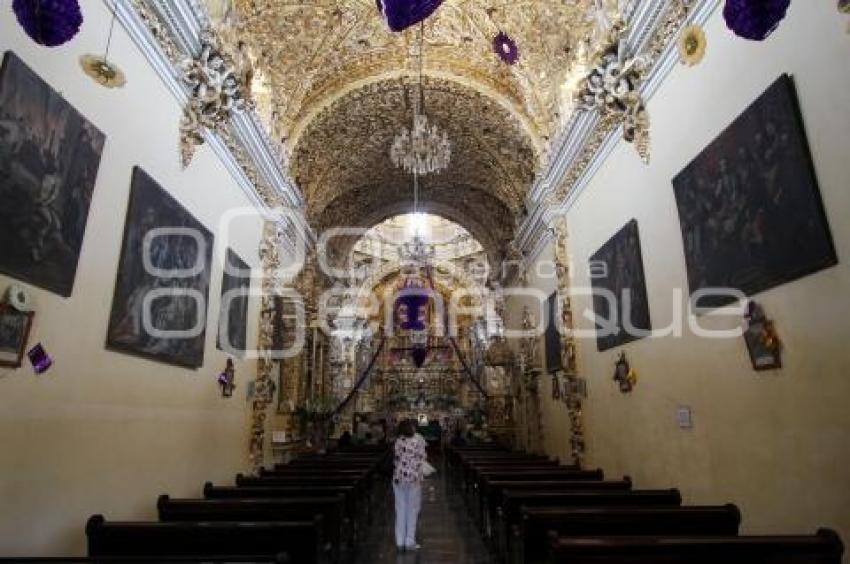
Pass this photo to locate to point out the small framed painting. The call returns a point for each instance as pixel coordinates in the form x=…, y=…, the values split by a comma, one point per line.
x=763, y=343
x=14, y=332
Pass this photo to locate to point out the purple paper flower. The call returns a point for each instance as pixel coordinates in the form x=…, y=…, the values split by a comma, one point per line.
x=401, y=14
x=754, y=19
x=506, y=48
x=49, y=22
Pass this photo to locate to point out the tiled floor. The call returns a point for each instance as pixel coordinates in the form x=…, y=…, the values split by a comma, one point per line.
x=446, y=533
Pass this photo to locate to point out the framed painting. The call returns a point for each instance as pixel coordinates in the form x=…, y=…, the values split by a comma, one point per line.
x=14, y=332
x=552, y=337
x=233, y=319
x=159, y=306
x=619, y=286
x=49, y=158
x=749, y=205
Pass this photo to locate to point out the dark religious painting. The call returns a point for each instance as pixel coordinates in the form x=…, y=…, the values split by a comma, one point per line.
x=619, y=284
x=49, y=157
x=160, y=303
x=235, y=285
x=552, y=337
x=749, y=205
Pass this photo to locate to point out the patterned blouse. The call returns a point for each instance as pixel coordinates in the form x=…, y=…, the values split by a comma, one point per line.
x=409, y=456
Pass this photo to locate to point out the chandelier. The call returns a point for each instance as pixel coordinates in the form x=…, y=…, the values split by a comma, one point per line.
x=416, y=251
x=421, y=149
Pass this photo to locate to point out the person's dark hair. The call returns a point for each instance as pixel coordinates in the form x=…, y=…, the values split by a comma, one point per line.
x=405, y=429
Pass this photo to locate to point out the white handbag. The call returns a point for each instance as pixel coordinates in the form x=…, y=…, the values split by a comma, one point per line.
x=427, y=469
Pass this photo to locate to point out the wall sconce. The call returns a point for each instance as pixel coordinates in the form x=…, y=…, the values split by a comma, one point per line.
x=624, y=374
x=227, y=379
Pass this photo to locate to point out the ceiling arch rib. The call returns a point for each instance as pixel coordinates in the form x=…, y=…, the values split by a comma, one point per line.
x=486, y=218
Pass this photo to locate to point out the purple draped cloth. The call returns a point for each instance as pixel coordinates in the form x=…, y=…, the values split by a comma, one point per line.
x=401, y=14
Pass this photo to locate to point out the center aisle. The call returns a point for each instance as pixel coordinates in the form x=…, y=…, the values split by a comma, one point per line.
x=445, y=531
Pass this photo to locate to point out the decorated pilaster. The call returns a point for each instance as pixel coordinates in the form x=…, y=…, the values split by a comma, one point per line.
x=574, y=388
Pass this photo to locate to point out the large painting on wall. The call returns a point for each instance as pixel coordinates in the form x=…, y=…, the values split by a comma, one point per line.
x=160, y=302
x=749, y=205
x=49, y=157
x=552, y=337
x=618, y=282
x=235, y=285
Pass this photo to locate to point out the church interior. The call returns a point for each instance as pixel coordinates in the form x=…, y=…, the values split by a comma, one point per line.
x=587, y=255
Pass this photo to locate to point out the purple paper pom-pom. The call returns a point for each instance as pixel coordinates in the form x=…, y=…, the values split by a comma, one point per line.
x=506, y=48
x=49, y=22
x=754, y=19
x=401, y=14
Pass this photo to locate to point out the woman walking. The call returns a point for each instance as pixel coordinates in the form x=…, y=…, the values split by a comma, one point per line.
x=410, y=457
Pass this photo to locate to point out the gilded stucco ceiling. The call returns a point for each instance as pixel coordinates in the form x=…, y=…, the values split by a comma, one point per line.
x=347, y=145
x=310, y=52
x=338, y=87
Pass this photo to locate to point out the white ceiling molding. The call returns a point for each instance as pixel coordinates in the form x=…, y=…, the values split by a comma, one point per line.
x=184, y=20
x=567, y=149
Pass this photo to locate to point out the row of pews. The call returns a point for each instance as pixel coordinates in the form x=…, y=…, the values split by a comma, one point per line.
x=312, y=510
x=533, y=510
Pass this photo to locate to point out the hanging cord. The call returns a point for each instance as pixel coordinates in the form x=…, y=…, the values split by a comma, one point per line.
x=362, y=379
x=455, y=345
x=419, y=107
x=114, y=9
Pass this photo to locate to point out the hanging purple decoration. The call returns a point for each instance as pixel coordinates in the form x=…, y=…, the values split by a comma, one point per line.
x=506, y=48
x=411, y=315
x=401, y=14
x=754, y=19
x=39, y=359
x=419, y=355
x=49, y=22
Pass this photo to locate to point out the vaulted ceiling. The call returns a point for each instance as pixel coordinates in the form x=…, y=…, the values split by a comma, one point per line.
x=339, y=84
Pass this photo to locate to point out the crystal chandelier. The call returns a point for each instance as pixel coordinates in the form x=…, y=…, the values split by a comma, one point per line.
x=417, y=251
x=422, y=149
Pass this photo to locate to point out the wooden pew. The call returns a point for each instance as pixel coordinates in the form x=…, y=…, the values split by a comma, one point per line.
x=493, y=499
x=479, y=489
x=361, y=489
x=529, y=539
x=509, y=513
x=336, y=532
x=280, y=559
x=297, y=541
x=825, y=547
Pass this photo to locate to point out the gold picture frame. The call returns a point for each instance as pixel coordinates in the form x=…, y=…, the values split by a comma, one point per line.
x=14, y=333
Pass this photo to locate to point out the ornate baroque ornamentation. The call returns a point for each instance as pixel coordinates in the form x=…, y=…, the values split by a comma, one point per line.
x=665, y=31
x=344, y=151
x=312, y=52
x=273, y=285
x=611, y=88
x=160, y=32
x=573, y=385
x=219, y=85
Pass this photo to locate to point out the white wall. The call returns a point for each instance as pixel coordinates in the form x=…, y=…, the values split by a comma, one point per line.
x=104, y=432
x=775, y=443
